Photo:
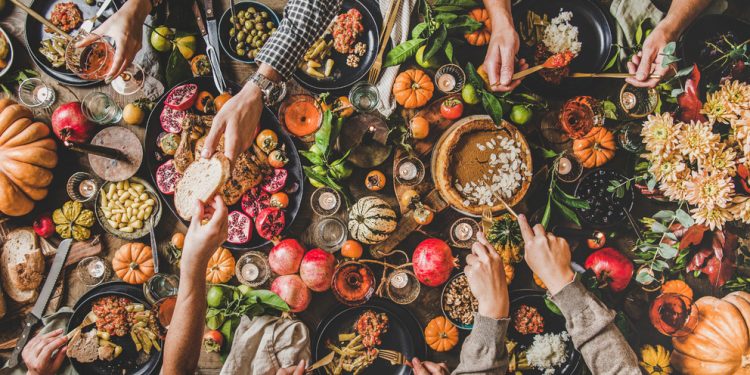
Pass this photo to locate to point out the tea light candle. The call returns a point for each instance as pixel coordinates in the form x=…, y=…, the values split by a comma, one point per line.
x=399, y=280
x=564, y=166
x=446, y=82
x=96, y=269
x=463, y=231
x=87, y=188
x=250, y=272
x=407, y=171
x=327, y=200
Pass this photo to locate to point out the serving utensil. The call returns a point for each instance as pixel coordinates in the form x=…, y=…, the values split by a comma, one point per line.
x=88, y=320
x=322, y=362
x=608, y=75
x=88, y=25
x=385, y=34
x=500, y=198
x=41, y=19
x=394, y=357
x=486, y=219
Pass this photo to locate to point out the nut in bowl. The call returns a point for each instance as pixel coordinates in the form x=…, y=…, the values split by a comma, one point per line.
x=127, y=209
x=243, y=33
x=458, y=303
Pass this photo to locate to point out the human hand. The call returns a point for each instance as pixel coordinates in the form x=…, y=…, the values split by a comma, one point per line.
x=39, y=354
x=486, y=274
x=237, y=121
x=547, y=255
x=649, y=60
x=428, y=368
x=500, y=59
x=125, y=28
x=294, y=370
x=202, y=240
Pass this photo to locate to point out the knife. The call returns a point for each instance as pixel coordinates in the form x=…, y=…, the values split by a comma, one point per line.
x=88, y=25
x=41, y=302
x=211, y=44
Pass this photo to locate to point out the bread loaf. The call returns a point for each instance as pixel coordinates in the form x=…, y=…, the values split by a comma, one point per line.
x=202, y=179
x=21, y=265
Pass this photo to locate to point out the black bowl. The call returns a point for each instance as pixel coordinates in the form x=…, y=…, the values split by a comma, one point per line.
x=268, y=120
x=225, y=25
x=603, y=199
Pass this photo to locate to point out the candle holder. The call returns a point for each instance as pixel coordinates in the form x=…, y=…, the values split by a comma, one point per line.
x=82, y=187
x=569, y=169
x=330, y=234
x=252, y=269
x=463, y=231
x=34, y=93
x=402, y=286
x=92, y=271
x=638, y=102
x=409, y=171
x=325, y=201
x=450, y=78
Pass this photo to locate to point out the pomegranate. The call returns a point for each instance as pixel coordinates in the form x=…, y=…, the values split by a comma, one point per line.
x=270, y=222
x=433, y=262
x=255, y=200
x=286, y=256
x=612, y=268
x=171, y=120
x=273, y=183
x=293, y=291
x=316, y=269
x=182, y=97
x=167, y=177
x=43, y=226
x=240, y=228
x=70, y=124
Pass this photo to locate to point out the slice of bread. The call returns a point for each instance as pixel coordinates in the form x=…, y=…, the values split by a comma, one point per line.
x=202, y=179
x=84, y=347
x=21, y=265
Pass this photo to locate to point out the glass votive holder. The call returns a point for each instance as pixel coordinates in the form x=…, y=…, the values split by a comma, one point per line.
x=402, y=286
x=409, y=171
x=101, y=108
x=569, y=169
x=330, y=234
x=638, y=102
x=450, y=78
x=463, y=232
x=92, y=271
x=34, y=93
x=252, y=269
x=82, y=187
x=325, y=201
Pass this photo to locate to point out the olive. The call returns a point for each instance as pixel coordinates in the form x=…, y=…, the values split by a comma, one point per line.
x=241, y=14
x=249, y=24
x=249, y=39
x=264, y=14
x=251, y=54
x=259, y=26
x=253, y=32
x=251, y=10
x=258, y=43
x=241, y=45
x=269, y=25
x=232, y=18
x=258, y=18
x=241, y=35
x=273, y=30
x=232, y=31
x=241, y=51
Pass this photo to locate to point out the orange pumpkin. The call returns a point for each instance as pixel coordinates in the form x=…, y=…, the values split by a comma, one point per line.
x=413, y=88
x=27, y=155
x=133, y=263
x=596, y=148
x=440, y=334
x=510, y=273
x=720, y=342
x=678, y=287
x=220, y=267
x=481, y=36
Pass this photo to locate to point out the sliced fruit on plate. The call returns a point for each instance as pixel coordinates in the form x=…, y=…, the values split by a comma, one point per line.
x=167, y=177
x=275, y=182
x=171, y=119
x=255, y=200
x=182, y=97
x=202, y=179
x=270, y=223
x=240, y=229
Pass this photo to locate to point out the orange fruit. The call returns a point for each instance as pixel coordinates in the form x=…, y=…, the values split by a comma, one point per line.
x=343, y=106
x=408, y=198
x=423, y=215
x=351, y=249
x=419, y=127
x=375, y=180
x=280, y=200
x=178, y=240
x=220, y=100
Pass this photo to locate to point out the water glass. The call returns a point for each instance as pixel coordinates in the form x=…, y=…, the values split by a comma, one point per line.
x=34, y=93
x=101, y=108
x=330, y=234
x=364, y=97
x=160, y=286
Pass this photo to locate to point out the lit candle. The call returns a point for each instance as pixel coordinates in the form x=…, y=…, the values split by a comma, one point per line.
x=463, y=231
x=564, y=166
x=96, y=268
x=327, y=200
x=250, y=272
x=399, y=280
x=407, y=171
x=446, y=82
x=87, y=188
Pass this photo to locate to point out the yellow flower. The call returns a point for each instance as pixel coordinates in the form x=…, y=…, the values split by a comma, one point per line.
x=736, y=94
x=675, y=190
x=709, y=189
x=668, y=168
x=655, y=360
x=696, y=140
x=659, y=133
x=713, y=217
x=741, y=131
x=717, y=108
x=741, y=209
x=720, y=159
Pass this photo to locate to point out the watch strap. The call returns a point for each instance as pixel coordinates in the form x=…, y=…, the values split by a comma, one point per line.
x=272, y=91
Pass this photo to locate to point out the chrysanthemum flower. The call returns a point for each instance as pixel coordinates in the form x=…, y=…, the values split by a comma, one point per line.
x=720, y=160
x=712, y=217
x=659, y=133
x=696, y=140
x=709, y=189
x=740, y=209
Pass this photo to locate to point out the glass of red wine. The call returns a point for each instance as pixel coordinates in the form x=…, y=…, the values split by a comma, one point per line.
x=92, y=60
x=581, y=114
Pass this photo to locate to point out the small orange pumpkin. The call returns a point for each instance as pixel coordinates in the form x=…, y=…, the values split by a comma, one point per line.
x=481, y=36
x=596, y=148
x=440, y=334
x=677, y=287
x=220, y=267
x=413, y=88
x=133, y=263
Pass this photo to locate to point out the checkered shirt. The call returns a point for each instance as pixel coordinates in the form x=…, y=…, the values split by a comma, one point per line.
x=304, y=21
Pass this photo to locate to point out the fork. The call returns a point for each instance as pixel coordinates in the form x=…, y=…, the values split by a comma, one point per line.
x=486, y=219
x=377, y=65
x=394, y=357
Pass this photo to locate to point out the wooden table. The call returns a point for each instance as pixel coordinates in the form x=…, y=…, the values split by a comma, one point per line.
x=424, y=308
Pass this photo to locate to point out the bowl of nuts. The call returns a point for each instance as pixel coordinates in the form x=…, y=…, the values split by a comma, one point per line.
x=458, y=303
x=128, y=208
x=243, y=33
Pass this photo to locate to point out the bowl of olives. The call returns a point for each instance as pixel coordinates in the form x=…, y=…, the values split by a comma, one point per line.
x=244, y=33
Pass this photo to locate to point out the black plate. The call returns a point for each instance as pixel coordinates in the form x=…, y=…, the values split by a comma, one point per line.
x=404, y=334
x=268, y=121
x=344, y=76
x=553, y=323
x=225, y=25
x=35, y=33
x=594, y=33
x=128, y=362
x=621, y=204
x=706, y=28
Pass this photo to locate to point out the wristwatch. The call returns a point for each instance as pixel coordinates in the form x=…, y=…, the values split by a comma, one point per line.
x=272, y=91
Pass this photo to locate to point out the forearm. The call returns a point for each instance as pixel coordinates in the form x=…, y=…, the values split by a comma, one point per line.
x=139, y=9
x=681, y=13
x=500, y=14
x=591, y=327
x=183, y=342
x=483, y=352
x=304, y=21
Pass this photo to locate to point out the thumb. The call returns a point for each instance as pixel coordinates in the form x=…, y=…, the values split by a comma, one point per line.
x=209, y=146
x=644, y=68
x=506, y=71
x=300, y=369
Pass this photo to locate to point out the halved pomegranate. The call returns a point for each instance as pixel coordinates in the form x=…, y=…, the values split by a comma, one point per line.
x=171, y=120
x=255, y=200
x=167, y=177
x=240, y=228
x=273, y=183
x=182, y=97
x=270, y=223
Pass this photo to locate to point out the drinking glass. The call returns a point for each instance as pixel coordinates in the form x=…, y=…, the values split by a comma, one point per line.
x=160, y=286
x=330, y=234
x=92, y=271
x=629, y=137
x=581, y=114
x=673, y=314
x=353, y=283
x=94, y=60
x=364, y=97
x=101, y=108
x=34, y=93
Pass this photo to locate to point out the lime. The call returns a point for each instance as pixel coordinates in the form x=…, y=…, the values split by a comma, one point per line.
x=160, y=38
x=469, y=94
x=520, y=114
x=214, y=296
x=186, y=45
x=432, y=62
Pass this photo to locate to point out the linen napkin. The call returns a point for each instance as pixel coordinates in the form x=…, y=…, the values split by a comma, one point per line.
x=148, y=59
x=399, y=34
x=51, y=322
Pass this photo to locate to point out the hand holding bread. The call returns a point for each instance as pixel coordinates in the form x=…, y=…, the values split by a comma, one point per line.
x=207, y=231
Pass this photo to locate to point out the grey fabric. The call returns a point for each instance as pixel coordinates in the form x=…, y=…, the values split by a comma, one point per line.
x=264, y=344
x=50, y=323
x=483, y=352
x=148, y=59
x=399, y=34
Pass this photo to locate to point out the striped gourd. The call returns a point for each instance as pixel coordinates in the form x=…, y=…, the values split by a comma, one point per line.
x=371, y=220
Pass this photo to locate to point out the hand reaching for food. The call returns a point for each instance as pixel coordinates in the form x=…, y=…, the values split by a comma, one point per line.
x=547, y=255
x=202, y=237
x=237, y=121
x=428, y=368
x=45, y=353
x=485, y=272
x=500, y=60
x=649, y=60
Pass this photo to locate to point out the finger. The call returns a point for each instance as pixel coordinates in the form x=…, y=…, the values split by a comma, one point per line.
x=231, y=141
x=508, y=65
x=492, y=66
x=59, y=358
x=551, y=238
x=89, y=38
x=482, y=239
x=46, y=352
x=195, y=221
x=117, y=61
x=418, y=367
x=478, y=249
x=471, y=259
x=526, y=232
x=300, y=369
x=434, y=368
x=220, y=211
x=644, y=68
x=539, y=230
x=217, y=130
x=632, y=68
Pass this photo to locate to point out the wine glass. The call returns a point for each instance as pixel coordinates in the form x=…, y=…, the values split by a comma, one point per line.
x=673, y=314
x=93, y=61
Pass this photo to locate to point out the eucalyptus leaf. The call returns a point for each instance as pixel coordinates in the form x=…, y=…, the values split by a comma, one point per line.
x=403, y=52
x=670, y=48
x=667, y=251
x=684, y=71
x=684, y=218
x=668, y=60
x=651, y=184
x=644, y=278
x=658, y=227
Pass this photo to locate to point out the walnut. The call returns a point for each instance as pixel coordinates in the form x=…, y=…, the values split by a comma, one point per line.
x=352, y=61
x=360, y=48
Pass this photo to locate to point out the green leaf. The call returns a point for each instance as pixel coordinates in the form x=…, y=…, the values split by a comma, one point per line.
x=270, y=299
x=492, y=106
x=446, y=17
x=418, y=30
x=661, y=264
x=669, y=49
x=323, y=135
x=651, y=184
x=668, y=60
x=312, y=157
x=612, y=61
x=570, y=200
x=567, y=212
x=403, y=52
x=667, y=251
x=547, y=153
x=610, y=109
x=639, y=32
x=644, y=278
x=684, y=71
x=547, y=213
x=436, y=42
x=684, y=218
x=676, y=92
x=664, y=215
x=449, y=50
x=473, y=77
x=658, y=227
x=551, y=306
x=448, y=8
x=178, y=68
x=464, y=24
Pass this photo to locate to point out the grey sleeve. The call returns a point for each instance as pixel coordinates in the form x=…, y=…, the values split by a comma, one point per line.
x=591, y=326
x=483, y=351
